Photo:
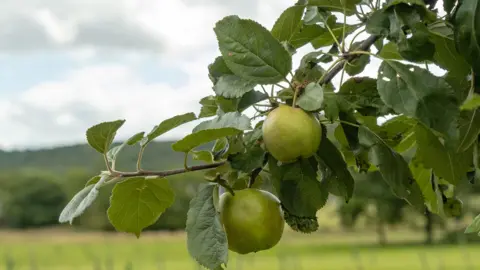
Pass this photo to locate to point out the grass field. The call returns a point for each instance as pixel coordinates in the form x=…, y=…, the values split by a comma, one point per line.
x=60, y=250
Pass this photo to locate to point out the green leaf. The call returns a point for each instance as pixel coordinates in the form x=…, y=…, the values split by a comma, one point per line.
x=206, y=156
x=168, y=125
x=474, y=227
x=218, y=69
x=135, y=138
x=202, y=137
x=248, y=160
x=138, y=202
x=336, y=5
x=417, y=93
x=448, y=5
x=298, y=188
x=239, y=39
x=390, y=51
x=228, y=120
x=445, y=162
x=288, y=24
x=417, y=47
x=232, y=86
x=393, y=168
x=206, y=239
x=446, y=55
x=333, y=159
x=326, y=39
x=209, y=107
x=423, y=178
x=249, y=99
x=312, y=98
x=469, y=129
x=361, y=93
x=101, y=136
x=467, y=32
x=471, y=103
x=306, y=34
x=93, y=180
x=81, y=201
x=357, y=65
x=226, y=105
x=378, y=23
x=391, y=3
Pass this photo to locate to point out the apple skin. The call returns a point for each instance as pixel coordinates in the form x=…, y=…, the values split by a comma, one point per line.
x=252, y=219
x=290, y=133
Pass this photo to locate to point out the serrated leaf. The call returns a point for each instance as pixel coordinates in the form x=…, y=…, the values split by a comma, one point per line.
x=416, y=48
x=417, y=93
x=168, y=125
x=249, y=160
x=471, y=103
x=218, y=69
x=361, y=93
x=288, y=24
x=445, y=162
x=232, y=86
x=331, y=157
x=238, y=41
x=393, y=168
x=423, y=178
x=312, y=98
x=206, y=156
x=228, y=120
x=390, y=51
x=467, y=32
x=250, y=98
x=201, y=137
x=209, y=107
x=101, y=136
x=226, y=105
x=138, y=202
x=298, y=188
x=206, y=239
x=469, y=129
x=336, y=5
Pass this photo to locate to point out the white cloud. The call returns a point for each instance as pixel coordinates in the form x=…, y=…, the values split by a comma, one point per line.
x=60, y=112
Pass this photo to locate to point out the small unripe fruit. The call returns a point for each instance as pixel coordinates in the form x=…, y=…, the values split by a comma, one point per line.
x=290, y=133
x=252, y=219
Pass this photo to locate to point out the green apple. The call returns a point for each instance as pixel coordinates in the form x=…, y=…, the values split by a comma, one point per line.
x=252, y=219
x=290, y=133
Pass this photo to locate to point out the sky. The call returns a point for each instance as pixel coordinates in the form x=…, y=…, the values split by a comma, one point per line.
x=66, y=65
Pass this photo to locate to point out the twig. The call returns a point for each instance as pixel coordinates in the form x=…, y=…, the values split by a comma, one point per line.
x=364, y=46
x=171, y=172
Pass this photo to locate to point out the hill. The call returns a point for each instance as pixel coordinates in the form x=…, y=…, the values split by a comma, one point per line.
x=157, y=156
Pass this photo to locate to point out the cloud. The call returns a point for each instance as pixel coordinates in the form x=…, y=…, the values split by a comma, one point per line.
x=60, y=112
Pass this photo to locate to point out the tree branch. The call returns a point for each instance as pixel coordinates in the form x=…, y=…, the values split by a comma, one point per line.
x=171, y=172
x=364, y=46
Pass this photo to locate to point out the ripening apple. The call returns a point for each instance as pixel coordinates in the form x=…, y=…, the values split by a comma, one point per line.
x=290, y=133
x=252, y=219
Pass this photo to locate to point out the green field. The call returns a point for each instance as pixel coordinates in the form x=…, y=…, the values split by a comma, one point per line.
x=55, y=250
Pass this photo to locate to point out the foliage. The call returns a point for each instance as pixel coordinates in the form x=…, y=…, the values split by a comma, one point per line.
x=429, y=142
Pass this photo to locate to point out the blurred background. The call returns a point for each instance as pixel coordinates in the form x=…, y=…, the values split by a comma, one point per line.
x=67, y=65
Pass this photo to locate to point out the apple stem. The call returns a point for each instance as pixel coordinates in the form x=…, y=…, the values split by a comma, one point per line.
x=294, y=104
